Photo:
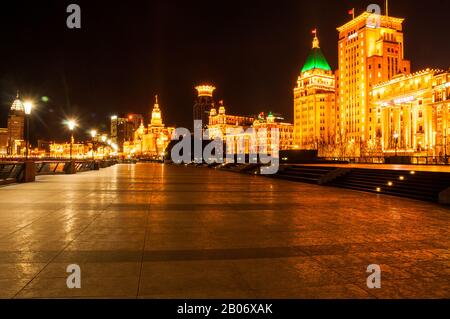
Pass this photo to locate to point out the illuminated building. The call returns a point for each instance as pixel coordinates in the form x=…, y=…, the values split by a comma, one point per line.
x=16, y=127
x=370, y=51
x=152, y=140
x=62, y=150
x=412, y=113
x=3, y=141
x=269, y=123
x=234, y=131
x=121, y=130
x=204, y=103
x=219, y=122
x=314, y=101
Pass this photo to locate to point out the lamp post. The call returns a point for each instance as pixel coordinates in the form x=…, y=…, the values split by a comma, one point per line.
x=28, y=106
x=109, y=142
x=71, y=124
x=104, y=138
x=93, y=135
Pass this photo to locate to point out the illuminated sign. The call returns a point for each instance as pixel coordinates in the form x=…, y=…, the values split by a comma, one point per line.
x=404, y=100
x=352, y=36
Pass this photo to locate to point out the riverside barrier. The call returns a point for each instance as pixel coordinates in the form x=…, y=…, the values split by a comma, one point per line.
x=26, y=171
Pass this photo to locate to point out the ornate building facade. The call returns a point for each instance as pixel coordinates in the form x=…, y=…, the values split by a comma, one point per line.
x=266, y=125
x=246, y=134
x=314, y=102
x=219, y=122
x=150, y=141
x=412, y=113
x=381, y=108
x=16, y=127
x=370, y=51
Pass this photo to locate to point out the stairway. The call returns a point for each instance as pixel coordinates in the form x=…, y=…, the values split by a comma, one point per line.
x=424, y=186
x=304, y=174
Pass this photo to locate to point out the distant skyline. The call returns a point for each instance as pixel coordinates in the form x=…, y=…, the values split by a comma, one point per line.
x=126, y=52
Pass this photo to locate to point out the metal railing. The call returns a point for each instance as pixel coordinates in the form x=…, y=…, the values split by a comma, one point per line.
x=12, y=171
x=405, y=160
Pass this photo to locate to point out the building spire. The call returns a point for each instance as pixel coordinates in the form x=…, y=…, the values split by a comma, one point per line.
x=156, y=99
x=17, y=95
x=315, y=43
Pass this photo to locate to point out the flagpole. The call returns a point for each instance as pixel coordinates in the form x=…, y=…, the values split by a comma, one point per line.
x=387, y=8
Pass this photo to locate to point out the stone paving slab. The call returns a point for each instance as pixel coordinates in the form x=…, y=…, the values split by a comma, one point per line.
x=163, y=231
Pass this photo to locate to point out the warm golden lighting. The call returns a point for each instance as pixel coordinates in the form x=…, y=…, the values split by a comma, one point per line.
x=27, y=107
x=205, y=90
x=390, y=184
x=71, y=124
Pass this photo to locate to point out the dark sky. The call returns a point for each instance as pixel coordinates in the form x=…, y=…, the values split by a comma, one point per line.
x=127, y=51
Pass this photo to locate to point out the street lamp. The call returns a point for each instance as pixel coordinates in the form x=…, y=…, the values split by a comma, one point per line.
x=71, y=124
x=93, y=135
x=28, y=106
x=396, y=143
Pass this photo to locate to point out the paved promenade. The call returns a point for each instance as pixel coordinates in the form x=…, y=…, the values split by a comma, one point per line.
x=162, y=231
x=418, y=168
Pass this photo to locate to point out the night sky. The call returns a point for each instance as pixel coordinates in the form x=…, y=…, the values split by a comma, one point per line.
x=128, y=51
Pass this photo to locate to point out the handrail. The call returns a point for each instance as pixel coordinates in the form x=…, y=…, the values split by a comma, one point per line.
x=12, y=171
x=409, y=160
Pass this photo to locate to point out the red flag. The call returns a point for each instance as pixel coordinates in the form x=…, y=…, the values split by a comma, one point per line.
x=314, y=32
x=351, y=12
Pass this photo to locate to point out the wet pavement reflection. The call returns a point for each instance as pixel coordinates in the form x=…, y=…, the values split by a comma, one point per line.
x=163, y=231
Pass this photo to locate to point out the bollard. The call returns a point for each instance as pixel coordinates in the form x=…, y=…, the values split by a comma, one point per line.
x=29, y=172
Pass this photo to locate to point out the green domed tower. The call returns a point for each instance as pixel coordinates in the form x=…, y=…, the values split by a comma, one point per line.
x=316, y=59
x=314, y=102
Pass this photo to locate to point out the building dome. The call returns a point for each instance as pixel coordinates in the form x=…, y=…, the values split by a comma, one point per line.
x=17, y=105
x=316, y=59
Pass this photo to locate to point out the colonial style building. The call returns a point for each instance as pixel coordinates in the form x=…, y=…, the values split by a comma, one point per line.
x=380, y=108
x=150, y=141
x=219, y=122
x=314, y=102
x=16, y=127
x=246, y=134
x=266, y=125
x=411, y=113
x=370, y=51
